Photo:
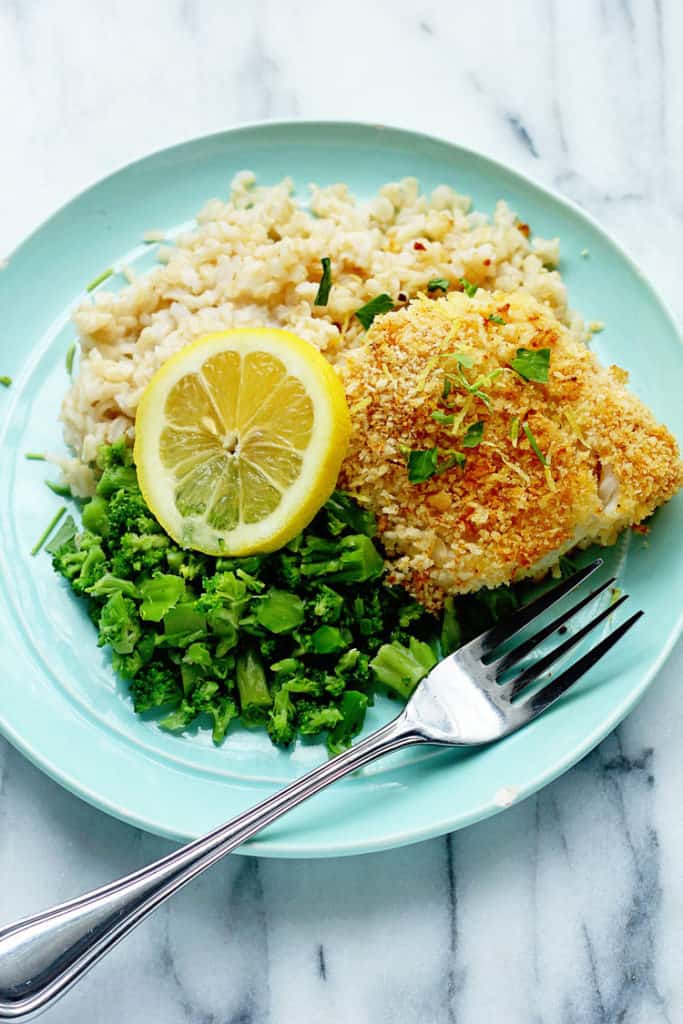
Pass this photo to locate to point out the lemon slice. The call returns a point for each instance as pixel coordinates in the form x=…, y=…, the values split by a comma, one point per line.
x=239, y=438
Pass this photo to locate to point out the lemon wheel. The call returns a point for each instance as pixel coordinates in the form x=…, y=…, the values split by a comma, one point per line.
x=239, y=438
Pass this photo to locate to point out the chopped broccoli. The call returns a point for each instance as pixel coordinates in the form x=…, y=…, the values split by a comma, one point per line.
x=255, y=698
x=154, y=686
x=401, y=668
x=280, y=611
x=314, y=720
x=159, y=594
x=353, y=708
x=327, y=604
x=329, y=640
x=295, y=640
x=341, y=512
x=352, y=559
x=281, y=727
x=136, y=553
x=119, y=624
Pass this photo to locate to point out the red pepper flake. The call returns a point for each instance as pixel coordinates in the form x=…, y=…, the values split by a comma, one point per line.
x=419, y=246
x=487, y=263
x=523, y=229
x=402, y=297
x=640, y=528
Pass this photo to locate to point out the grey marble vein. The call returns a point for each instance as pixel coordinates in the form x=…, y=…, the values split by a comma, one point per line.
x=568, y=907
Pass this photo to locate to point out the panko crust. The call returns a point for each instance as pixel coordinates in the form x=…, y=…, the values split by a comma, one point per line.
x=505, y=515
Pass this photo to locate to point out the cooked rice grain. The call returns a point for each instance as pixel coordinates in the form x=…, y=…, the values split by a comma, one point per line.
x=255, y=260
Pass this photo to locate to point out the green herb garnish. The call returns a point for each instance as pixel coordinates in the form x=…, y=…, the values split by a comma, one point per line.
x=444, y=419
x=514, y=431
x=69, y=360
x=61, y=490
x=323, y=292
x=438, y=283
x=473, y=435
x=425, y=463
x=5, y=381
x=469, y=288
x=495, y=318
x=35, y=457
x=534, y=444
x=47, y=531
x=380, y=304
x=98, y=280
x=532, y=364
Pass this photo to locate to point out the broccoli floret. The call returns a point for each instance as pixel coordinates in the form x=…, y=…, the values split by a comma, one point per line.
x=116, y=478
x=128, y=665
x=81, y=560
x=342, y=514
x=119, y=624
x=154, y=686
x=401, y=668
x=180, y=717
x=353, y=708
x=127, y=513
x=315, y=719
x=327, y=604
x=289, y=569
x=138, y=553
x=222, y=711
x=281, y=728
x=107, y=585
x=117, y=454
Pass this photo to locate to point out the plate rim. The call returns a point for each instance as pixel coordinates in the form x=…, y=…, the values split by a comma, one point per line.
x=292, y=848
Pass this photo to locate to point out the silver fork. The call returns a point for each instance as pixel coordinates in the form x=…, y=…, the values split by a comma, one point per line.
x=466, y=700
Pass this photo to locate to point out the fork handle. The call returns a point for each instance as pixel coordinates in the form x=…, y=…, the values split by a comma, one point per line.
x=43, y=955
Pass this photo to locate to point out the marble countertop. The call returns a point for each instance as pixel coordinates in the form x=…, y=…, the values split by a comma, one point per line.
x=568, y=908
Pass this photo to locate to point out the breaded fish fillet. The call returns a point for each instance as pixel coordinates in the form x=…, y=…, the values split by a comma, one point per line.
x=554, y=464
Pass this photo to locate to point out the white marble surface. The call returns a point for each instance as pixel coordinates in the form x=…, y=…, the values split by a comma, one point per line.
x=567, y=909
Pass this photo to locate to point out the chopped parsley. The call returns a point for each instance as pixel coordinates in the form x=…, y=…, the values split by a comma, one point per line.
x=444, y=419
x=69, y=360
x=380, y=304
x=5, y=381
x=424, y=463
x=514, y=431
x=438, y=283
x=469, y=288
x=98, y=280
x=534, y=444
x=323, y=292
x=496, y=318
x=446, y=389
x=532, y=364
x=473, y=435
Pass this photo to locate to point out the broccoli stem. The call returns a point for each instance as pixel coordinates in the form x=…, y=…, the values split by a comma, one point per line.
x=255, y=698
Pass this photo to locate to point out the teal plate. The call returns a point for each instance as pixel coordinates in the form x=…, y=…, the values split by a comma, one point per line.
x=59, y=701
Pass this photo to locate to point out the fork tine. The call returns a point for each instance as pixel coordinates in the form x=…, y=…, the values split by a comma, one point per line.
x=523, y=616
x=538, y=703
x=517, y=653
x=543, y=664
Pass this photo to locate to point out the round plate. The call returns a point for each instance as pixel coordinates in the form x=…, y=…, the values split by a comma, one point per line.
x=59, y=700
